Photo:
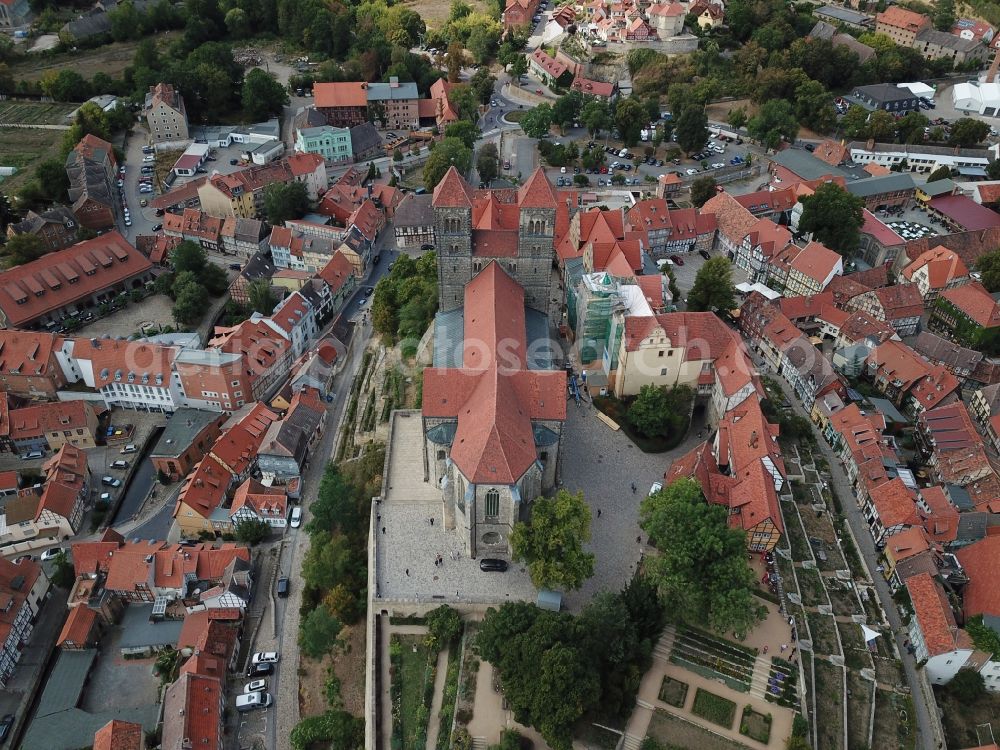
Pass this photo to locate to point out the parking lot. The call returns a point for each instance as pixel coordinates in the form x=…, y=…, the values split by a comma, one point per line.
x=156, y=310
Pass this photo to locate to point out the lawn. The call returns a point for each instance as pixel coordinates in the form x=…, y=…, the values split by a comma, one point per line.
x=34, y=113
x=516, y=116
x=414, y=684
x=811, y=587
x=24, y=149
x=823, y=630
x=673, y=733
x=755, y=725
x=714, y=708
x=673, y=692
x=859, y=704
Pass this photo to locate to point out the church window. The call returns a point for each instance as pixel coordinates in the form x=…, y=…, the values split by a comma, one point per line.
x=440, y=455
x=492, y=504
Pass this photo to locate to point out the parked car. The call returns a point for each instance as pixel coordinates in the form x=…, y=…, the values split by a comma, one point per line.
x=655, y=487
x=111, y=482
x=677, y=259
x=31, y=455
x=52, y=554
x=22, y=558
x=160, y=212
x=295, y=520
x=261, y=657
x=718, y=165
x=157, y=227
x=704, y=254
x=691, y=171
x=255, y=686
x=148, y=149
x=260, y=670
x=130, y=448
x=251, y=701
x=283, y=586
x=148, y=158
x=492, y=565
x=119, y=464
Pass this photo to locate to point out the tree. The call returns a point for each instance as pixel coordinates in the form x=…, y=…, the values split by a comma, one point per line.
x=52, y=179
x=318, y=632
x=941, y=173
x=397, y=155
x=189, y=302
x=261, y=298
x=855, y=122
x=737, y=117
x=283, y=201
x=566, y=110
x=967, y=686
x=834, y=217
x=63, y=574
x=911, y=127
x=22, y=248
x=629, y=116
x=659, y=411
x=713, y=287
x=691, y=129
x=455, y=60
x=775, y=120
x=552, y=543
x=450, y=152
x=444, y=625
x=482, y=84
x=90, y=120
x=65, y=85
x=702, y=189
x=263, y=96
x=881, y=126
x=188, y=256
x=968, y=132
x=519, y=67
x=463, y=130
x=537, y=122
x=488, y=163
x=702, y=568
x=814, y=106
x=253, y=530
x=989, y=266
x=944, y=15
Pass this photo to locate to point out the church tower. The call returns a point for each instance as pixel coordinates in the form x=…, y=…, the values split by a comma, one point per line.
x=536, y=239
x=452, y=203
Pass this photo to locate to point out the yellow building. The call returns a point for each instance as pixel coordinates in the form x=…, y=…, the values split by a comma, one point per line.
x=648, y=355
x=53, y=425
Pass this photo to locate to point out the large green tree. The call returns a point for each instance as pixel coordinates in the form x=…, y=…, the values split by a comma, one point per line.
x=463, y=130
x=968, y=132
x=262, y=95
x=713, y=287
x=989, y=266
x=775, y=120
x=595, y=116
x=284, y=201
x=450, y=152
x=834, y=217
x=659, y=411
x=488, y=162
x=701, y=568
x=21, y=249
x=537, y=122
x=552, y=543
x=702, y=189
x=691, y=129
x=566, y=110
x=318, y=632
x=629, y=118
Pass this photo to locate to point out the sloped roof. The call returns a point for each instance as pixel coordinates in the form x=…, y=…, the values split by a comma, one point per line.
x=973, y=300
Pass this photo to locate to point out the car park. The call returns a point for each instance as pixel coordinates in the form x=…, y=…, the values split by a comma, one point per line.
x=148, y=159
x=493, y=565
x=718, y=165
x=119, y=464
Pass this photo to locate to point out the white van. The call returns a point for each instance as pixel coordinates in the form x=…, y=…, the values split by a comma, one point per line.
x=296, y=519
x=250, y=701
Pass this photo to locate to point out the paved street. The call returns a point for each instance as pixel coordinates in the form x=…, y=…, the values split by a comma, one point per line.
x=923, y=703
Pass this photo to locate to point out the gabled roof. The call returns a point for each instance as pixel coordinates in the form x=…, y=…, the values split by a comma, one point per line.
x=941, y=265
x=117, y=734
x=342, y=94
x=934, y=616
x=981, y=560
x=973, y=300
x=452, y=191
x=537, y=192
x=895, y=504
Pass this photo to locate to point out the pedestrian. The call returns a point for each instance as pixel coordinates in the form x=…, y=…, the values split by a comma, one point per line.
x=432, y=521
x=383, y=529
x=633, y=488
x=638, y=540
x=765, y=649
x=407, y=572
x=598, y=512
x=783, y=647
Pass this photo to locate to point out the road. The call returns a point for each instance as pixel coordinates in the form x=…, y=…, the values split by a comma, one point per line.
x=866, y=545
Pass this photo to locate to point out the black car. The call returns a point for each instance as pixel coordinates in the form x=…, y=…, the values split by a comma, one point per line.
x=810, y=147
x=260, y=670
x=233, y=162
x=160, y=212
x=157, y=227
x=283, y=586
x=704, y=254
x=425, y=248
x=5, y=724
x=493, y=565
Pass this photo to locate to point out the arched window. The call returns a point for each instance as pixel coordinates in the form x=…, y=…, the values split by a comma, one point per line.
x=492, y=504
x=440, y=456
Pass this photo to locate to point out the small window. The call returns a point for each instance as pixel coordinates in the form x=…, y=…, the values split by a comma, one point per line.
x=440, y=455
x=659, y=353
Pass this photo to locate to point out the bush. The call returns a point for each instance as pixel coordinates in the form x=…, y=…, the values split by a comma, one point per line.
x=444, y=625
x=338, y=728
x=461, y=739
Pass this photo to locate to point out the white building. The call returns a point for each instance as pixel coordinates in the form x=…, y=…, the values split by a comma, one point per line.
x=921, y=158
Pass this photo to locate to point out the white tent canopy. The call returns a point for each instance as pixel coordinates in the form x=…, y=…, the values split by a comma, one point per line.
x=869, y=634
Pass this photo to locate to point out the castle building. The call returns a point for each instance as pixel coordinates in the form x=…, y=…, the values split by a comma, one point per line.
x=473, y=228
x=493, y=407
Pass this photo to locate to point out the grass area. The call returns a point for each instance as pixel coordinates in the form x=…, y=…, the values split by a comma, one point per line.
x=843, y=598
x=823, y=629
x=856, y=654
x=673, y=733
x=829, y=706
x=435, y=13
x=811, y=587
x=516, y=115
x=895, y=724
x=413, y=684
x=618, y=411
x=859, y=701
x=714, y=708
x=34, y=113
x=109, y=58
x=25, y=149
x=673, y=692
x=756, y=726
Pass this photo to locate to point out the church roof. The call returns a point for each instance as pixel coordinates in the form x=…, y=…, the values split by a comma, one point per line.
x=452, y=191
x=537, y=192
x=494, y=396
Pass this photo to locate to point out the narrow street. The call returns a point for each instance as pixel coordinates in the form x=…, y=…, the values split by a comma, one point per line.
x=923, y=700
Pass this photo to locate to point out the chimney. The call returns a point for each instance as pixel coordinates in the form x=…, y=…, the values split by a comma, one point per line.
x=991, y=74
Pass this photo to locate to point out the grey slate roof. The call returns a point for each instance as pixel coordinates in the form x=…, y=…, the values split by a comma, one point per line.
x=948, y=353
x=365, y=137
x=138, y=631
x=181, y=430
x=884, y=92
x=890, y=183
x=33, y=222
x=843, y=14
x=946, y=40
x=414, y=211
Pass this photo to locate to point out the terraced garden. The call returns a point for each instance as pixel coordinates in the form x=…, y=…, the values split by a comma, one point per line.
x=714, y=657
x=34, y=113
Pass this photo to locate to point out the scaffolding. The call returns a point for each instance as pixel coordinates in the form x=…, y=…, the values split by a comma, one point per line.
x=599, y=296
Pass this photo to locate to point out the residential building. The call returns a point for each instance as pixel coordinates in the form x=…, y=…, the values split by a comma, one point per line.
x=241, y=194
x=973, y=29
x=804, y=271
x=733, y=222
x=165, y=114
x=266, y=355
x=68, y=282
x=243, y=237
x=366, y=143
x=966, y=314
x=438, y=109
x=901, y=25
x=518, y=13
x=836, y=14
x=920, y=158
x=930, y=190
x=879, y=244
x=413, y=223
x=900, y=306
x=665, y=232
x=882, y=191
x=962, y=214
x=186, y=440
x=938, y=643
x=49, y=426
x=56, y=227
x=120, y=735
x=199, y=507
x=295, y=319
x=28, y=365
x=980, y=561
x=333, y=144
x=256, y=268
x=890, y=508
x=934, y=271
x=23, y=588
x=886, y=96
x=549, y=70
x=393, y=105
x=253, y=501
x=940, y=45
x=284, y=450
x=951, y=445
x=894, y=368
x=709, y=14
x=194, y=226
x=343, y=104
x=299, y=251
x=93, y=171
x=339, y=278
x=829, y=32
x=759, y=248
x=596, y=89
x=129, y=374
x=488, y=473
x=667, y=18
x=959, y=361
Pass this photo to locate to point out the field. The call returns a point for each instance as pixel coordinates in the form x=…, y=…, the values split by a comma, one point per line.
x=23, y=148
x=111, y=59
x=676, y=734
x=435, y=12
x=34, y=113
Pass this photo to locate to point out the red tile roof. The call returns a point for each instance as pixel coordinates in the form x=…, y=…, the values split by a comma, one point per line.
x=936, y=387
x=900, y=301
x=119, y=735
x=66, y=474
x=941, y=524
x=65, y=276
x=942, y=264
x=452, y=191
x=934, y=615
x=336, y=272
x=205, y=488
x=973, y=300
x=192, y=711
x=816, y=261
x=901, y=18
x=237, y=447
x=537, y=192
x=494, y=397
x=907, y=543
x=771, y=201
x=27, y=353
x=734, y=221
x=78, y=626
x=51, y=416
x=266, y=502
x=899, y=362
x=550, y=65
x=590, y=87
x=981, y=561
x=343, y=94
x=965, y=212
x=137, y=362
